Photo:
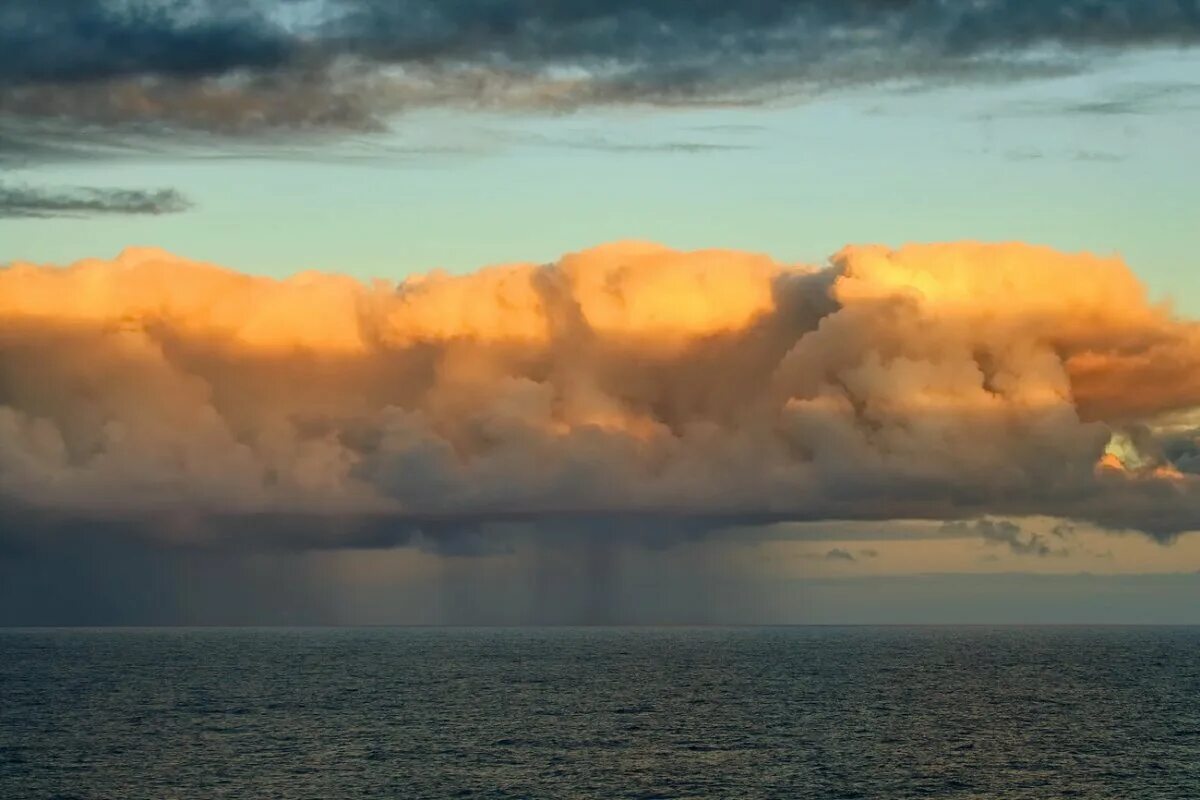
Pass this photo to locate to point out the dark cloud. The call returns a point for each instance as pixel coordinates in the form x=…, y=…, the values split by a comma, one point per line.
x=84, y=40
x=1010, y=534
x=1063, y=530
x=1182, y=450
x=73, y=41
x=103, y=78
x=233, y=67
x=29, y=201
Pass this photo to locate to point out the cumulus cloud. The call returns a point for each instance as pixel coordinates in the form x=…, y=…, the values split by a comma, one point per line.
x=235, y=67
x=627, y=387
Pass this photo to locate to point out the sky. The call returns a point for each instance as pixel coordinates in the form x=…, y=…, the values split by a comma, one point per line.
x=800, y=311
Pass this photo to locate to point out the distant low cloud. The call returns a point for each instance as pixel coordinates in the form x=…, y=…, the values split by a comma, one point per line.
x=1134, y=99
x=1139, y=100
x=1010, y=534
x=630, y=388
x=28, y=201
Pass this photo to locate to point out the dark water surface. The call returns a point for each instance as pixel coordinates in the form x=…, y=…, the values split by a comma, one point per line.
x=739, y=713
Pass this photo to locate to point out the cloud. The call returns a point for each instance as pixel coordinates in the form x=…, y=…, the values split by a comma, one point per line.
x=1010, y=534
x=1138, y=100
x=113, y=78
x=27, y=201
x=236, y=68
x=629, y=387
x=1098, y=156
x=651, y=148
x=1083, y=156
x=838, y=554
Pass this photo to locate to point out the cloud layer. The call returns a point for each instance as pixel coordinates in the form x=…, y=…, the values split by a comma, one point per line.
x=236, y=67
x=98, y=78
x=628, y=386
x=27, y=201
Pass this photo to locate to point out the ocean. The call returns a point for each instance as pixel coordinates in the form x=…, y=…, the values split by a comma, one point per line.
x=806, y=712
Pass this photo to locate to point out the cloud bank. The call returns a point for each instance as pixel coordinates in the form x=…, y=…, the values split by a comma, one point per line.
x=237, y=67
x=627, y=387
x=105, y=78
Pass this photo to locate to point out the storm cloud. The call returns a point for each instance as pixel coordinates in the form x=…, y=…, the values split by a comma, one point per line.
x=627, y=388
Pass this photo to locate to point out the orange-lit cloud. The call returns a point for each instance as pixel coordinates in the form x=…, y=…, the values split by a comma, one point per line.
x=631, y=380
